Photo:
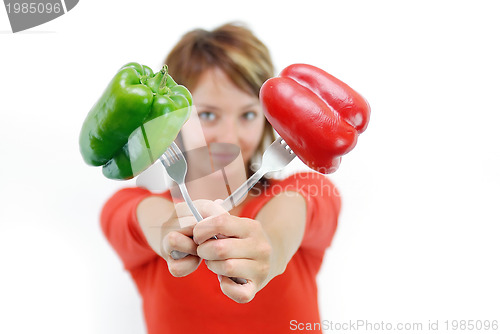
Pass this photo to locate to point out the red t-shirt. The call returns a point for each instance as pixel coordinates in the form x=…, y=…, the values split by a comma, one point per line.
x=195, y=303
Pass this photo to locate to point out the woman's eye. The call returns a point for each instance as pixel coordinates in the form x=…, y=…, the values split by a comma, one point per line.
x=249, y=115
x=206, y=116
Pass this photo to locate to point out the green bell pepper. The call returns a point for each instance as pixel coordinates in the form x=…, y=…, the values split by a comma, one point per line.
x=134, y=121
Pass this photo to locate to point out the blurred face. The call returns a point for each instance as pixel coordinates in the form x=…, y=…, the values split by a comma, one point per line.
x=226, y=115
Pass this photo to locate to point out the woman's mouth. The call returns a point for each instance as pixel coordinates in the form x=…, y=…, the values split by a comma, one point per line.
x=223, y=154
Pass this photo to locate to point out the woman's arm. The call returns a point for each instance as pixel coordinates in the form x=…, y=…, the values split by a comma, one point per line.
x=121, y=228
x=284, y=220
x=257, y=250
x=169, y=227
x=152, y=213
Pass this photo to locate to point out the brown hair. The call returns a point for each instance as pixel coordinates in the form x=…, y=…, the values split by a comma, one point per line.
x=235, y=50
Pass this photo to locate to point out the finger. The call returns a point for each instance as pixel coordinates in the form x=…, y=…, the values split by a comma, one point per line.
x=224, y=224
x=244, y=268
x=187, y=221
x=183, y=267
x=175, y=223
x=187, y=231
x=240, y=293
x=178, y=241
x=227, y=248
x=210, y=208
x=182, y=209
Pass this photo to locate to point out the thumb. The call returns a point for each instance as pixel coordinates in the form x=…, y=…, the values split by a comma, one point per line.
x=211, y=208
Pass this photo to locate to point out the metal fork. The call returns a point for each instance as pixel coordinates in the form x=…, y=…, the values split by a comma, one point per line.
x=176, y=167
x=276, y=157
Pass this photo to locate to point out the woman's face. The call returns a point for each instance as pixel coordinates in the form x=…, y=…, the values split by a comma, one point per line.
x=226, y=115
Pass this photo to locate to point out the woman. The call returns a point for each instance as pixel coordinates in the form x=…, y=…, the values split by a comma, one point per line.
x=275, y=239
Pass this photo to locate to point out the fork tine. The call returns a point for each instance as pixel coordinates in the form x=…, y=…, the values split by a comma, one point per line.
x=285, y=145
x=164, y=160
x=176, y=152
x=175, y=148
x=275, y=157
x=172, y=157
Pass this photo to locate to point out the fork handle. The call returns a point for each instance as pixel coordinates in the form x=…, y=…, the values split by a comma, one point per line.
x=189, y=202
x=239, y=194
x=176, y=255
x=179, y=255
x=185, y=194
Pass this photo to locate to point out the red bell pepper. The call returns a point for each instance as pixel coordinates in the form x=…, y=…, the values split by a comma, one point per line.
x=317, y=115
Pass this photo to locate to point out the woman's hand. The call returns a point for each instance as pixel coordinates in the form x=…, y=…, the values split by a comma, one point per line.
x=168, y=228
x=179, y=250
x=245, y=252
x=177, y=245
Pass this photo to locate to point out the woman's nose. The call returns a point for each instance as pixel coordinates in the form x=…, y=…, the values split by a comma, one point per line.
x=228, y=133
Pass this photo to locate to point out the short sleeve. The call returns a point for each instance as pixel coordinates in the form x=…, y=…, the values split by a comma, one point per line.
x=121, y=227
x=323, y=204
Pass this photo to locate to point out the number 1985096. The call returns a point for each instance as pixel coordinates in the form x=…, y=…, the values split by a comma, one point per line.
x=33, y=8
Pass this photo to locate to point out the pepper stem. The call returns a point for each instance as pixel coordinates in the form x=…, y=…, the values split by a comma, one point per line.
x=164, y=72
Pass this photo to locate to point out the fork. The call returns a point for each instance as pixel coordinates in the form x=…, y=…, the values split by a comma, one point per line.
x=176, y=166
x=276, y=157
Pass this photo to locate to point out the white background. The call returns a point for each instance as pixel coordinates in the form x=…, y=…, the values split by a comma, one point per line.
x=418, y=236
